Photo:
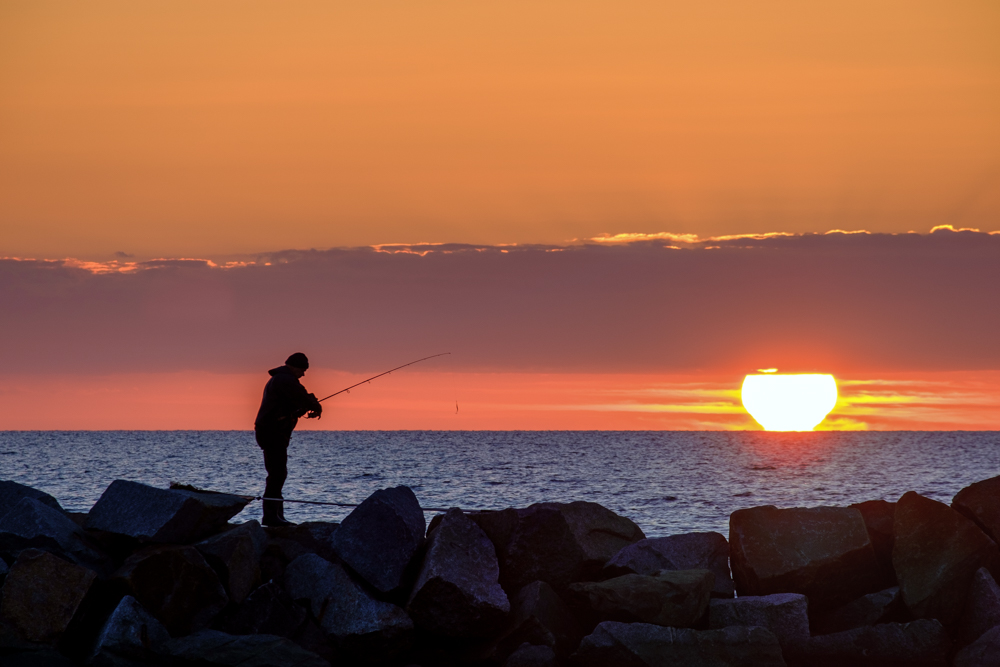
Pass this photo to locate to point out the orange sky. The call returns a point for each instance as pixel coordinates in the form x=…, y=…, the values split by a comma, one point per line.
x=627, y=136
x=206, y=129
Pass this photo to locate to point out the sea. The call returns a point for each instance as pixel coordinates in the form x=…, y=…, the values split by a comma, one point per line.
x=668, y=482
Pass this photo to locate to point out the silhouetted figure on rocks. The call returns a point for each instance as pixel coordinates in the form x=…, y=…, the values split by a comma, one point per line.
x=284, y=401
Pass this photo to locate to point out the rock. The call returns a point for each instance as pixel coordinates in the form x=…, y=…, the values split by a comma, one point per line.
x=380, y=537
x=540, y=617
x=314, y=537
x=176, y=585
x=457, y=592
x=982, y=608
x=130, y=632
x=34, y=524
x=984, y=652
x=644, y=645
x=559, y=543
x=11, y=493
x=677, y=598
x=981, y=503
x=46, y=657
x=823, y=553
x=690, y=551
x=936, y=553
x=41, y=595
x=784, y=614
x=358, y=623
x=881, y=607
x=528, y=655
x=922, y=643
x=268, y=610
x=3, y=570
x=235, y=555
x=879, y=516
x=174, y=516
x=211, y=647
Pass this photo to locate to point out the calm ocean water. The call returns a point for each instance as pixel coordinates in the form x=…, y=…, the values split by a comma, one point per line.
x=667, y=482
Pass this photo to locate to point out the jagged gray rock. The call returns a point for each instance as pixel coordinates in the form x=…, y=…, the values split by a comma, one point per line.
x=165, y=516
x=557, y=543
x=980, y=502
x=42, y=594
x=457, y=592
x=11, y=493
x=130, y=632
x=357, y=622
x=689, y=551
x=676, y=598
x=784, y=614
x=176, y=585
x=922, y=643
x=984, y=652
x=823, y=553
x=879, y=516
x=881, y=607
x=211, y=647
x=645, y=645
x=539, y=617
x=235, y=555
x=528, y=655
x=32, y=524
x=982, y=608
x=268, y=610
x=381, y=536
x=936, y=553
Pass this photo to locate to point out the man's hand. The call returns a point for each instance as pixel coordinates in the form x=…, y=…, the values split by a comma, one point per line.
x=315, y=414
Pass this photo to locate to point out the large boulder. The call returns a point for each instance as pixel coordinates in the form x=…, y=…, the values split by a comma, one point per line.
x=922, y=643
x=786, y=615
x=314, y=537
x=823, y=553
x=879, y=516
x=130, y=632
x=457, y=592
x=211, y=647
x=557, y=543
x=881, y=607
x=268, y=610
x=984, y=652
x=11, y=493
x=169, y=516
x=176, y=585
x=381, y=536
x=645, y=645
x=235, y=555
x=982, y=608
x=34, y=524
x=42, y=594
x=528, y=655
x=356, y=621
x=540, y=617
x=981, y=503
x=690, y=551
x=936, y=553
x=677, y=598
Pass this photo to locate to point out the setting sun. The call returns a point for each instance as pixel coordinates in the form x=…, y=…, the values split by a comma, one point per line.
x=789, y=402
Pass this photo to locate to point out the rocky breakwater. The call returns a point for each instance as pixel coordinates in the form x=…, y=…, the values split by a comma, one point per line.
x=160, y=577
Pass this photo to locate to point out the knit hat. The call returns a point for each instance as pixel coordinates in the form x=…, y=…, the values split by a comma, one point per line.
x=298, y=360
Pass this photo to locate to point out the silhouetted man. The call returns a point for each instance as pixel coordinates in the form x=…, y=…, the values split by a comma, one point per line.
x=284, y=401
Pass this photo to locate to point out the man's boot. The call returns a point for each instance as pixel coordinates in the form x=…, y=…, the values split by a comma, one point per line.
x=273, y=510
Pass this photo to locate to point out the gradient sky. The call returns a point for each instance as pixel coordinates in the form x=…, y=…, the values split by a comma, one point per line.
x=608, y=212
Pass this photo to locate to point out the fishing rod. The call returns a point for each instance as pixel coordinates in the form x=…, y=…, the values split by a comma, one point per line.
x=348, y=389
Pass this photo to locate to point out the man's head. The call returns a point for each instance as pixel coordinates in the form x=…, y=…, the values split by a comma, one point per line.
x=298, y=362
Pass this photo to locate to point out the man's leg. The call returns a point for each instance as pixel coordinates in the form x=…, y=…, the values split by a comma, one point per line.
x=275, y=448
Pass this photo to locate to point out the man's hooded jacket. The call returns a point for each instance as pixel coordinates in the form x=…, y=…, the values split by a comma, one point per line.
x=284, y=401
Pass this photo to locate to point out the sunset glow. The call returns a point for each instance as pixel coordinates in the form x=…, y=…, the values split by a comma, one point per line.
x=789, y=402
